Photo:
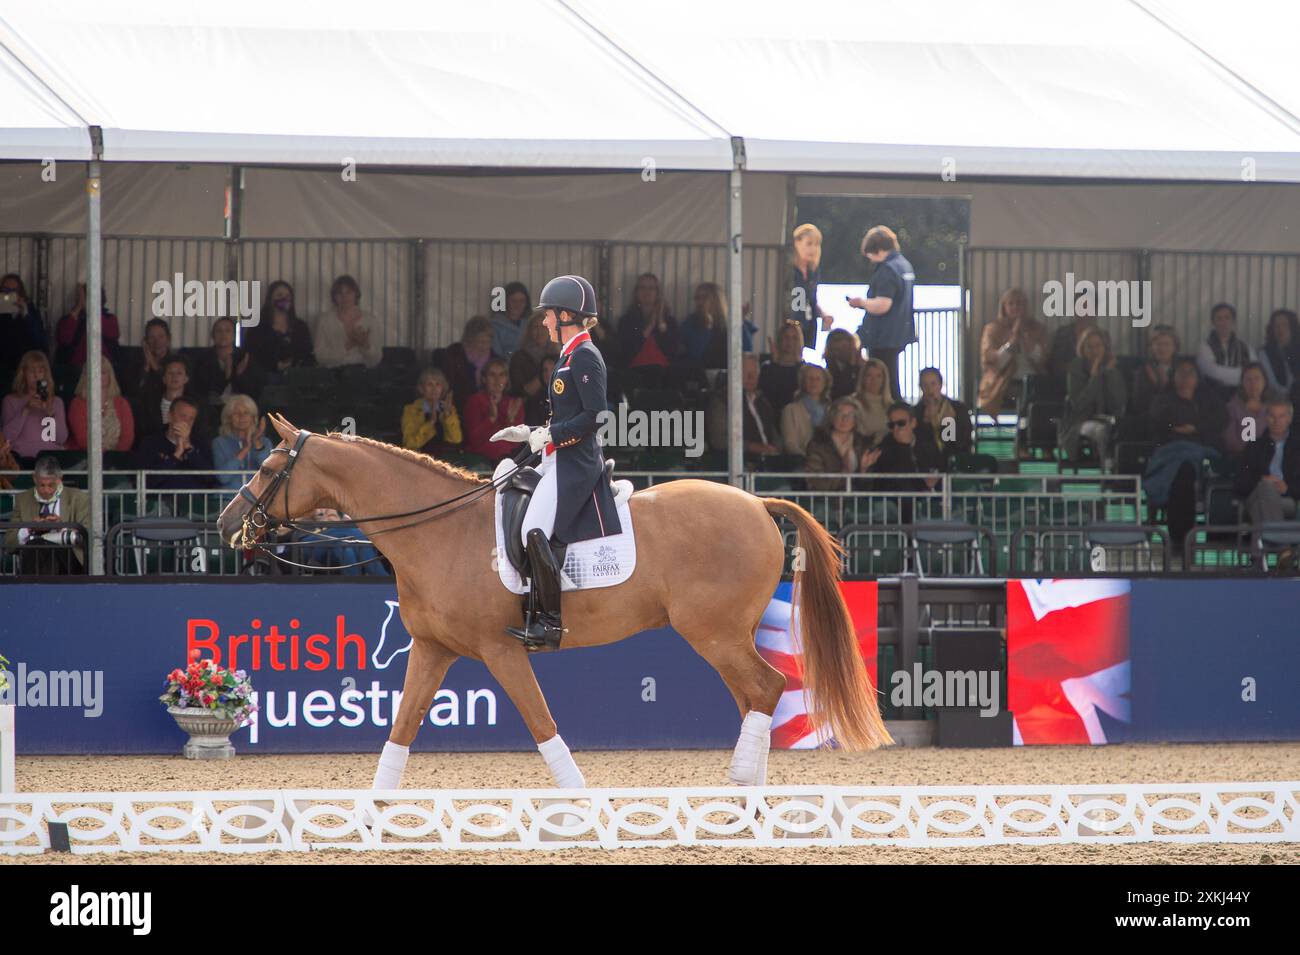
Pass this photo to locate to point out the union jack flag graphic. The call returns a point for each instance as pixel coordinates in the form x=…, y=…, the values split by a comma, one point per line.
x=1067, y=659
x=778, y=644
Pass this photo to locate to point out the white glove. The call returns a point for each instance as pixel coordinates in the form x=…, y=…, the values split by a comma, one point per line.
x=539, y=439
x=518, y=432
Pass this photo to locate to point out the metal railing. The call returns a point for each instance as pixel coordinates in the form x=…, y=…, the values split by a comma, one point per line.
x=42, y=557
x=1096, y=549
x=1000, y=503
x=163, y=547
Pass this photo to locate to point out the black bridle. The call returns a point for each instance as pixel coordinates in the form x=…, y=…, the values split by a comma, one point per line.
x=257, y=519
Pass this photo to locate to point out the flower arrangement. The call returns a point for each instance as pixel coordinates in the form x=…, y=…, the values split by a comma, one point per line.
x=4, y=673
x=205, y=685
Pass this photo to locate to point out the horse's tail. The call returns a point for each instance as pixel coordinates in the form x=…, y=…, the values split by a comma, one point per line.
x=837, y=689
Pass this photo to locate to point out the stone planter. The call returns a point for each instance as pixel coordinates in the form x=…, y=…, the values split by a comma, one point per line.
x=209, y=733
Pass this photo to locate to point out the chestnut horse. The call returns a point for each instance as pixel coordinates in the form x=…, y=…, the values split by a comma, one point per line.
x=709, y=558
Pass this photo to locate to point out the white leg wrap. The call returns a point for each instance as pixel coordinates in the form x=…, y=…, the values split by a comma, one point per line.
x=392, y=763
x=749, y=763
x=560, y=761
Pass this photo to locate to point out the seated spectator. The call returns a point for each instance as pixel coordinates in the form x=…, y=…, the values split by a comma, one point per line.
x=489, y=410
x=647, y=331
x=901, y=452
x=33, y=414
x=779, y=377
x=119, y=421
x=280, y=340
x=463, y=362
x=760, y=434
x=1280, y=353
x=873, y=399
x=1154, y=374
x=344, y=334
x=70, y=333
x=153, y=408
x=1268, y=475
x=534, y=344
x=241, y=443
x=1065, y=343
x=1223, y=355
x=1186, y=412
x=760, y=429
x=537, y=407
x=430, y=423
x=1187, y=426
x=318, y=551
x=14, y=303
x=1247, y=405
x=1095, y=396
x=7, y=463
x=15, y=338
x=145, y=373
x=704, y=331
x=175, y=450
x=843, y=357
x=801, y=417
x=50, y=501
x=508, y=329
x=942, y=421
x=224, y=370
x=837, y=447
x=1012, y=346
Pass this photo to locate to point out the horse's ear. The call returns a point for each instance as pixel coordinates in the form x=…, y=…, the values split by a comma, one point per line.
x=282, y=427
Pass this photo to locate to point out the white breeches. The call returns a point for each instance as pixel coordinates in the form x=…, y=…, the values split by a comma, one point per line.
x=541, y=509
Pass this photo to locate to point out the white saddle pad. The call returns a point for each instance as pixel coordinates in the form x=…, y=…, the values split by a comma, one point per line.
x=601, y=562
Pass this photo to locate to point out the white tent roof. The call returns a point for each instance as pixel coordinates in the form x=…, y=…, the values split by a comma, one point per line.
x=509, y=83
x=1019, y=87
x=1130, y=89
x=34, y=122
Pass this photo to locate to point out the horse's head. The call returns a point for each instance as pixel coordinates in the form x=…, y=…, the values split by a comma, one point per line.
x=285, y=488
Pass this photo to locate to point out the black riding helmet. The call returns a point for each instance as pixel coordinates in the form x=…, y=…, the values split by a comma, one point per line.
x=569, y=293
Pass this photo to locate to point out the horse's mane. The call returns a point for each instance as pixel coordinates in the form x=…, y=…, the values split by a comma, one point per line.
x=442, y=467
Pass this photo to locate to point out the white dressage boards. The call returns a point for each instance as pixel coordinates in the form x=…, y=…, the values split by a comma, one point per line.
x=303, y=820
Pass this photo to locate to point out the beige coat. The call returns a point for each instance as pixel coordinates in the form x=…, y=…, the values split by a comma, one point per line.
x=74, y=508
x=997, y=368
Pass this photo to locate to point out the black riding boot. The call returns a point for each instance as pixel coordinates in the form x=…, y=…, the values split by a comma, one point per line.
x=542, y=628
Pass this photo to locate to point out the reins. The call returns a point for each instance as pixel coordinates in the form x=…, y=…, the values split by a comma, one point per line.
x=258, y=519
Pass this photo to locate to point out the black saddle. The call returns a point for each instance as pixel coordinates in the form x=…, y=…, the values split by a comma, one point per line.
x=515, y=496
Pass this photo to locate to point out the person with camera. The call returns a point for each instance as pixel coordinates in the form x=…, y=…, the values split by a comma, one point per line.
x=34, y=419
x=22, y=327
x=60, y=550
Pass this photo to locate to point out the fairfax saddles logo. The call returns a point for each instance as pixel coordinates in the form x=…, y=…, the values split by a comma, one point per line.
x=605, y=563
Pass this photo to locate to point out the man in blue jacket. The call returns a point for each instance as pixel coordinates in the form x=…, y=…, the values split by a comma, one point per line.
x=887, y=327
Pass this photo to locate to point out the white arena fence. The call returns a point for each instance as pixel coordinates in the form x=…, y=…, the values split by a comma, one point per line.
x=7, y=748
x=788, y=816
